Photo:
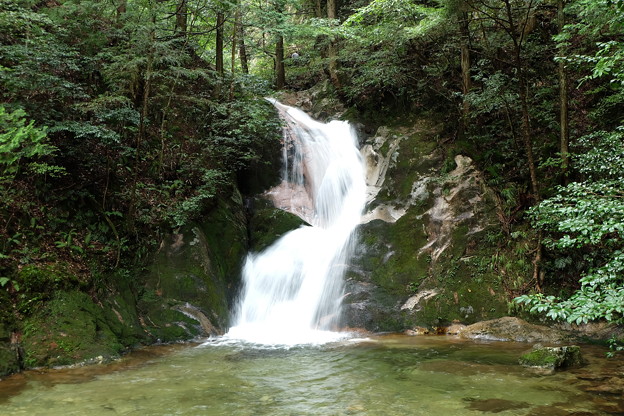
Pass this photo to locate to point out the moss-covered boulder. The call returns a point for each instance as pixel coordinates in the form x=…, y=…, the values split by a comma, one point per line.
x=552, y=358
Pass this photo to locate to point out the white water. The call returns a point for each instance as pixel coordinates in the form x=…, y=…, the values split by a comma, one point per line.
x=292, y=291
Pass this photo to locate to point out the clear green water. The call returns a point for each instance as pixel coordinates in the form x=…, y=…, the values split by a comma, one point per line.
x=387, y=375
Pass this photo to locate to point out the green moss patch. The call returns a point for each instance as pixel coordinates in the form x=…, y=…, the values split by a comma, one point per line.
x=70, y=328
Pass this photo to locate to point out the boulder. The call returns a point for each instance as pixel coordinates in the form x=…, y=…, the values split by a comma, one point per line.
x=513, y=329
x=552, y=358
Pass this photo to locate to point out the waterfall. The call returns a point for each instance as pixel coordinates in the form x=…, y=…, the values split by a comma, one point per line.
x=292, y=290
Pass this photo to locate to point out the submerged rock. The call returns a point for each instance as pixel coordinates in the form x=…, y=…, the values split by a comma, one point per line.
x=513, y=329
x=495, y=405
x=552, y=358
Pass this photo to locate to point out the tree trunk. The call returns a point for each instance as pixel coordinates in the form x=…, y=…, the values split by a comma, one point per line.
x=318, y=10
x=141, y=134
x=181, y=18
x=235, y=32
x=526, y=134
x=219, y=43
x=280, y=81
x=242, y=51
x=332, y=50
x=517, y=33
x=234, y=43
x=564, y=127
x=465, y=68
x=122, y=7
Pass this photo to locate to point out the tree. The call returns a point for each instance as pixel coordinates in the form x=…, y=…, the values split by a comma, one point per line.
x=584, y=220
x=280, y=72
x=219, y=42
x=332, y=52
x=181, y=18
x=564, y=127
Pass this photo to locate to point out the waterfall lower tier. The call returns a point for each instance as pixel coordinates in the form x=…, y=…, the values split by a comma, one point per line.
x=292, y=291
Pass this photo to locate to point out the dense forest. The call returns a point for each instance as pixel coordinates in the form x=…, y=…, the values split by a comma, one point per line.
x=121, y=120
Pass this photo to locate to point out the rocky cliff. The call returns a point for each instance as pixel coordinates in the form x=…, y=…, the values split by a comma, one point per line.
x=424, y=254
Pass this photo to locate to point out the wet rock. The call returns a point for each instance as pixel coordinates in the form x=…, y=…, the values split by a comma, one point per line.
x=267, y=223
x=611, y=385
x=594, y=330
x=495, y=405
x=366, y=306
x=423, y=232
x=454, y=329
x=513, y=329
x=417, y=330
x=320, y=101
x=195, y=313
x=552, y=358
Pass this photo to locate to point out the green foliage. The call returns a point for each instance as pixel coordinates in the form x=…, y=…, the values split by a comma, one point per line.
x=138, y=139
x=378, y=54
x=21, y=140
x=598, y=20
x=615, y=345
x=587, y=217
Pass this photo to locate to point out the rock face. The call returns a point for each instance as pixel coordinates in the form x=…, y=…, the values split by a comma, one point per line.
x=552, y=358
x=423, y=257
x=185, y=292
x=199, y=267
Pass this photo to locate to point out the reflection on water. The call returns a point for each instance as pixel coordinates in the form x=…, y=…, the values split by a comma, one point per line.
x=387, y=375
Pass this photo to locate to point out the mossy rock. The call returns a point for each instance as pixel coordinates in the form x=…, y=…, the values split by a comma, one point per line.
x=70, y=328
x=552, y=358
x=45, y=278
x=199, y=264
x=391, y=253
x=439, y=244
x=267, y=224
x=168, y=324
x=9, y=357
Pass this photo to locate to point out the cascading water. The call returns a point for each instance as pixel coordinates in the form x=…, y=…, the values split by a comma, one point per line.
x=292, y=291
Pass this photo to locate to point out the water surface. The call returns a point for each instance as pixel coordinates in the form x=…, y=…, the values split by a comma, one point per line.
x=385, y=375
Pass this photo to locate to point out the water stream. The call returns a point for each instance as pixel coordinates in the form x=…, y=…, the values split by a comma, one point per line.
x=292, y=290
